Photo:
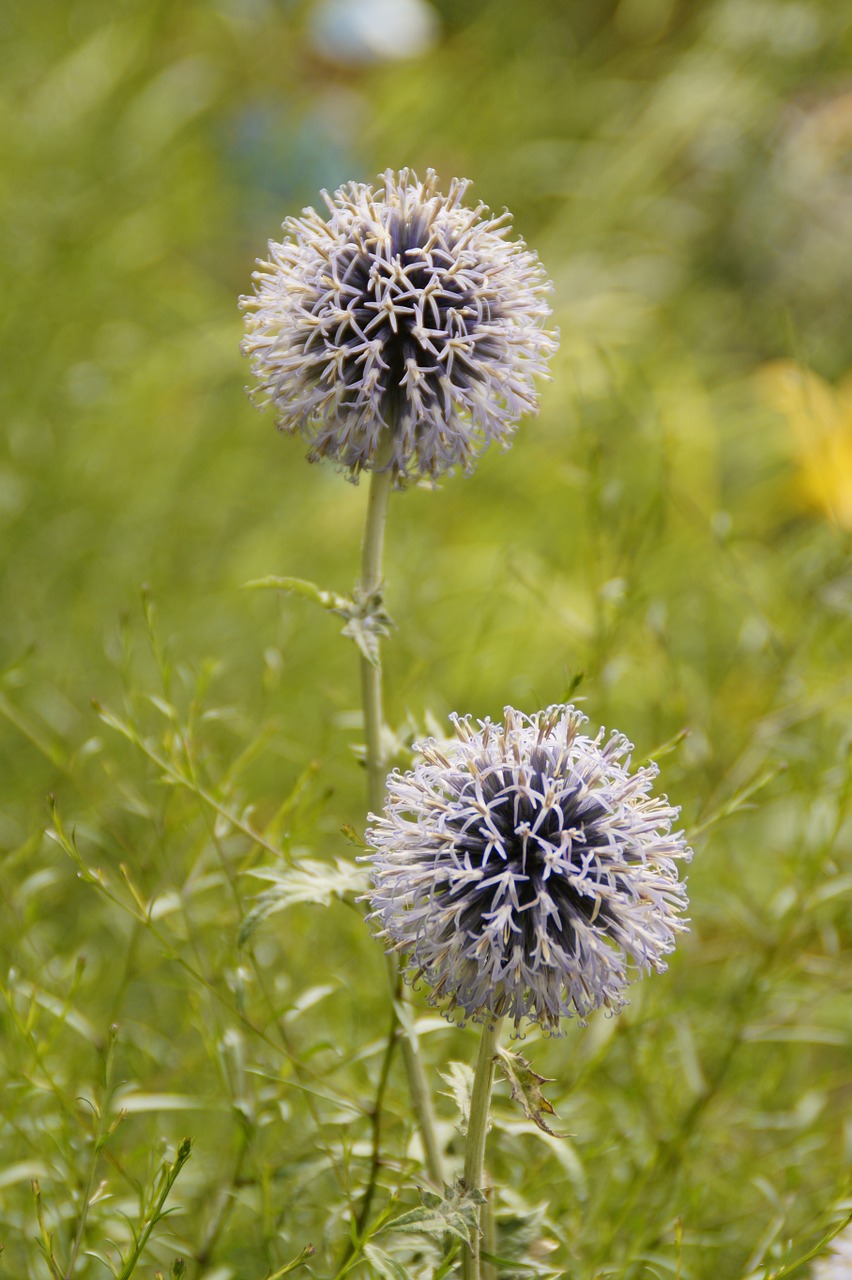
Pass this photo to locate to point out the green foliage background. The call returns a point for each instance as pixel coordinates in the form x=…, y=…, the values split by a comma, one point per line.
x=682, y=170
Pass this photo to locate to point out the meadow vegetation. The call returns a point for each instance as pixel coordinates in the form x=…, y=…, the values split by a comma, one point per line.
x=667, y=545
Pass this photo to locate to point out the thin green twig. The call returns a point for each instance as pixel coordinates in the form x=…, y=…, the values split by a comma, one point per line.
x=102, y=1132
x=376, y=1152
x=168, y=1177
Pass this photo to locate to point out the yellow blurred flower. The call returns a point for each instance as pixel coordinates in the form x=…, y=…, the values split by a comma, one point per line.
x=820, y=418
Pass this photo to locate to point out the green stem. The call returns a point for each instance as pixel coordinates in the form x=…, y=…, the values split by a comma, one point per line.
x=371, y=673
x=101, y=1135
x=477, y=1128
x=371, y=690
x=165, y=1181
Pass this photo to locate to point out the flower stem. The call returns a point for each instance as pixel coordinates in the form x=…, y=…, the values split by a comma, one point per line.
x=477, y=1128
x=371, y=692
x=371, y=673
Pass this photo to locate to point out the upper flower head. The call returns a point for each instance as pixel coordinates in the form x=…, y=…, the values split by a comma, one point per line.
x=403, y=313
x=519, y=867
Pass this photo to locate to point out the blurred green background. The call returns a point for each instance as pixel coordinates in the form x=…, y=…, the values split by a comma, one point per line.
x=669, y=539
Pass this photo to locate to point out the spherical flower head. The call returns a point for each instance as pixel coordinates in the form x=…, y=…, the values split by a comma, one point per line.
x=521, y=867
x=403, y=332
x=837, y=1263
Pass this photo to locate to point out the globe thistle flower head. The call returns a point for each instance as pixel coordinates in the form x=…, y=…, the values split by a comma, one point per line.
x=523, y=866
x=402, y=332
x=837, y=1263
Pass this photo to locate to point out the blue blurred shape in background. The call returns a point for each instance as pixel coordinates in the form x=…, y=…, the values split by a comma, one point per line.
x=360, y=32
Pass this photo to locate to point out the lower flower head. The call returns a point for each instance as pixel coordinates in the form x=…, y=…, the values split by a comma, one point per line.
x=521, y=868
x=401, y=333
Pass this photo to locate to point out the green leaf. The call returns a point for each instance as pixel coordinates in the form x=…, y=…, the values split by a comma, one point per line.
x=459, y=1076
x=386, y=1266
x=301, y=587
x=455, y=1214
x=366, y=618
x=366, y=622
x=526, y=1089
x=446, y=1265
x=512, y=1266
x=309, y=881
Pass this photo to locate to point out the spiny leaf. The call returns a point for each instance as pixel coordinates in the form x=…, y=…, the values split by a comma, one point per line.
x=526, y=1089
x=454, y=1213
x=366, y=618
x=366, y=622
x=309, y=881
